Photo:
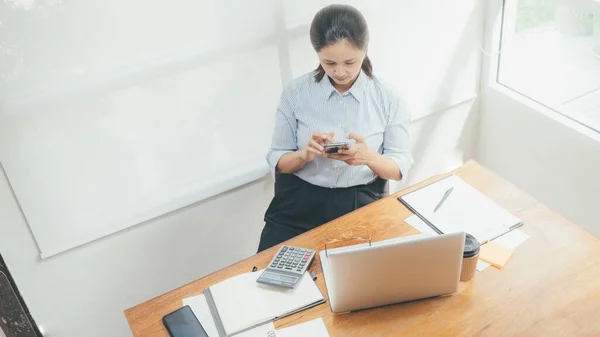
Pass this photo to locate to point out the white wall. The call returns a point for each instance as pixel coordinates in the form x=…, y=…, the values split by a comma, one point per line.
x=551, y=157
x=83, y=291
x=554, y=160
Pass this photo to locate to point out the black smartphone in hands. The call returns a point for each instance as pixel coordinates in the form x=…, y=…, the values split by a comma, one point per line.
x=333, y=148
x=183, y=323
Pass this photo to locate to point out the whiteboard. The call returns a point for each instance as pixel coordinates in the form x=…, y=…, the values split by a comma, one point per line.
x=132, y=154
x=111, y=115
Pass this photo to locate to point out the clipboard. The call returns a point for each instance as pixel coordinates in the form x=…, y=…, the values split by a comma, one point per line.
x=465, y=209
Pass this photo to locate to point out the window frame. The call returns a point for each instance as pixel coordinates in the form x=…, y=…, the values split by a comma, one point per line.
x=492, y=50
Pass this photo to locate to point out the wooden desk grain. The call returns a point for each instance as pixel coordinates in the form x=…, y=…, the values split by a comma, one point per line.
x=551, y=286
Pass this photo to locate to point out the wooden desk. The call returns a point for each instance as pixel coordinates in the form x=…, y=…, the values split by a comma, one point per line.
x=551, y=286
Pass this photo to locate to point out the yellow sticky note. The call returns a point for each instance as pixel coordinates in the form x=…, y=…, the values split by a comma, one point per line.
x=495, y=254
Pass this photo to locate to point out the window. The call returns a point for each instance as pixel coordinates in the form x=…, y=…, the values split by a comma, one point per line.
x=550, y=52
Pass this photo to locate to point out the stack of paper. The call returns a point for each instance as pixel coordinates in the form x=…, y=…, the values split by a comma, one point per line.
x=202, y=311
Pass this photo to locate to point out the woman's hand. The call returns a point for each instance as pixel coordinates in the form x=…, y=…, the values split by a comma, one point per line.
x=314, y=146
x=359, y=154
x=293, y=161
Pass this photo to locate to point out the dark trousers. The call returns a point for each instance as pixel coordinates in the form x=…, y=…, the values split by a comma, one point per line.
x=299, y=206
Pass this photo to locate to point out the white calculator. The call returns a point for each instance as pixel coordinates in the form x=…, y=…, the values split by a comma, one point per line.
x=287, y=266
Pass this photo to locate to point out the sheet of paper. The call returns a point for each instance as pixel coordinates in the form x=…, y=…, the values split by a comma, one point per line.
x=420, y=225
x=481, y=265
x=202, y=311
x=265, y=330
x=314, y=328
x=512, y=239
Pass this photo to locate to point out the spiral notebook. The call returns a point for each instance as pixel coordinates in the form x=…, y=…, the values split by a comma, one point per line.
x=240, y=303
x=451, y=205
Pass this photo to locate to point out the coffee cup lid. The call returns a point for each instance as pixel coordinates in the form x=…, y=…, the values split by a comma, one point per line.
x=472, y=246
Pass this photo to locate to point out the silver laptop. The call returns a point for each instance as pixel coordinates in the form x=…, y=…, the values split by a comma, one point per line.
x=392, y=271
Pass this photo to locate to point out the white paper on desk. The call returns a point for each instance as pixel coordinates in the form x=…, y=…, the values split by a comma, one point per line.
x=202, y=311
x=265, y=330
x=420, y=225
x=314, y=328
x=512, y=239
x=481, y=265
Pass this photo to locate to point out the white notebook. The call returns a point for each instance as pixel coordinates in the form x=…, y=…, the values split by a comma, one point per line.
x=314, y=328
x=465, y=209
x=240, y=303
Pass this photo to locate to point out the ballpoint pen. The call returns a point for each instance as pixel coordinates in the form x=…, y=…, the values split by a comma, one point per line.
x=443, y=199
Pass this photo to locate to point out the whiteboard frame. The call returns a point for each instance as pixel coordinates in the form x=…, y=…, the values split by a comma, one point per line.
x=220, y=184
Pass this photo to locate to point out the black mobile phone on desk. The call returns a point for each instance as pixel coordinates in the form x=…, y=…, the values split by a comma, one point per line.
x=183, y=323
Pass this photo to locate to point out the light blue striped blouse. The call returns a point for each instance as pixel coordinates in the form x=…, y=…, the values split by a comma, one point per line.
x=370, y=108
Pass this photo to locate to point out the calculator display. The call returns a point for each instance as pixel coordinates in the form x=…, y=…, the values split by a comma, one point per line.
x=279, y=277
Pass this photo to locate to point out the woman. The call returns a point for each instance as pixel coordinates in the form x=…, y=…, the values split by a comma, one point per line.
x=340, y=101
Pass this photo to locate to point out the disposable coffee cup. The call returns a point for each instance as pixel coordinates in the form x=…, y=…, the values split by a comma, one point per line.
x=470, y=258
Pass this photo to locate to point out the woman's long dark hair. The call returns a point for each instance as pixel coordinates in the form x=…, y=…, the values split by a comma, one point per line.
x=335, y=23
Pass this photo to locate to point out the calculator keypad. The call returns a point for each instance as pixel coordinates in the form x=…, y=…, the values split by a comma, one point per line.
x=292, y=259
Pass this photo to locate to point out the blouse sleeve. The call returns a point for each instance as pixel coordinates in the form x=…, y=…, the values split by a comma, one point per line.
x=396, y=137
x=284, y=137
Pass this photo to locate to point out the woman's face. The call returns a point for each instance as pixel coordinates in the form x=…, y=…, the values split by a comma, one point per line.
x=342, y=62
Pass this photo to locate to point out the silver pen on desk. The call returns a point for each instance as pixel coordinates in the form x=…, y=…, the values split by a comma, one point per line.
x=443, y=199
